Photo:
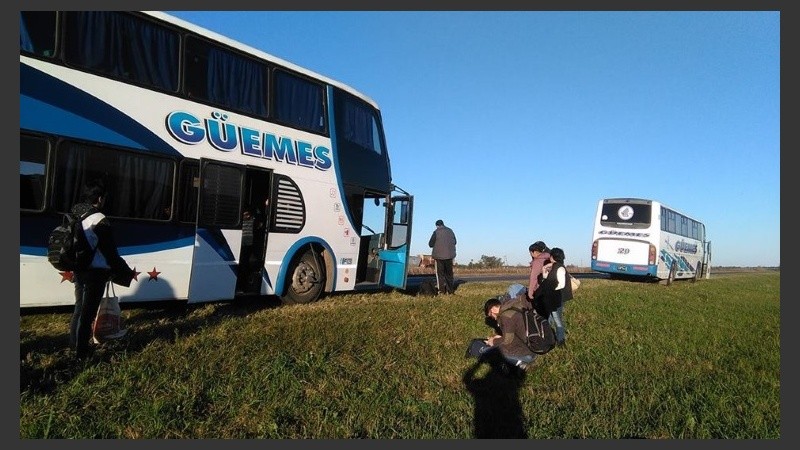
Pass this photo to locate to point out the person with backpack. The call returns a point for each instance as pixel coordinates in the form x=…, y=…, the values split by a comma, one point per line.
x=515, y=297
x=512, y=341
x=554, y=289
x=106, y=264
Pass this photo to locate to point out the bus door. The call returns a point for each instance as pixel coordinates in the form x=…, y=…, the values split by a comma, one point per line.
x=219, y=232
x=256, y=216
x=398, y=238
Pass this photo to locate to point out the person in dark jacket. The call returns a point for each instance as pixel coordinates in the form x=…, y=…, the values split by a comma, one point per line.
x=549, y=298
x=511, y=339
x=443, y=243
x=106, y=265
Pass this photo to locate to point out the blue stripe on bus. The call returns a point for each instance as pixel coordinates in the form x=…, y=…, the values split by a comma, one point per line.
x=131, y=237
x=50, y=105
x=217, y=241
x=123, y=250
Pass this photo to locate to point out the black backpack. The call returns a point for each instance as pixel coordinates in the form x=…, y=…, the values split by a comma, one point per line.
x=427, y=288
x=541, y=338
x=67, y=247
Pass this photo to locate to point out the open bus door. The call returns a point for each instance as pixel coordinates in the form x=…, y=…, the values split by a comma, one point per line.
x=214, y=262
x=399, y=211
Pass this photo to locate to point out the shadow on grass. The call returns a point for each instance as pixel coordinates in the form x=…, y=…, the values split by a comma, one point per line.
x=498, y=411
x=46, y=361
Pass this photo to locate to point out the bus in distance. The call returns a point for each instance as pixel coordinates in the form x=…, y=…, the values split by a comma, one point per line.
x=644, y=239
x=230, y=172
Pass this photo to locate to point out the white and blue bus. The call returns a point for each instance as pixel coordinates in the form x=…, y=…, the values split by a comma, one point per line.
x=639, y=238
x=189, y=129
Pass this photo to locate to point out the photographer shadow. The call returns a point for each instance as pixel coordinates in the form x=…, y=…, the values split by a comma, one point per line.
x=498, y=411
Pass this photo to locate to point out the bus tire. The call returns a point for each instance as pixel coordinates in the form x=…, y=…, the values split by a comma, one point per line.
x=672, y=269
x=306, y=279
x=698, y=272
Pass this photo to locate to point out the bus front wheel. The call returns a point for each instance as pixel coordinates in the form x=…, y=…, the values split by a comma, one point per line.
x=307, y=279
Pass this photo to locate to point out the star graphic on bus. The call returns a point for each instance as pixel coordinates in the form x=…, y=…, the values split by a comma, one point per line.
x=66, y=276
x=153, y=274
x=136, y=274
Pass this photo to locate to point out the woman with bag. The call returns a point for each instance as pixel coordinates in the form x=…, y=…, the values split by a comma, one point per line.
x=107, y=266
x=554, y=289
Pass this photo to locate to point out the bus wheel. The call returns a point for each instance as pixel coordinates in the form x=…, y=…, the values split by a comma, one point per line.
x=672, y=269
x=307, y=279
x=698, y=272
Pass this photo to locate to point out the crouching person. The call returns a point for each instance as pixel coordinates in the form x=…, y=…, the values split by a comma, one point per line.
x=511, y=342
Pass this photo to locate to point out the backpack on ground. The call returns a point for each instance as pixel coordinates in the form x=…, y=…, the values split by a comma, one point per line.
x=541, y=338
x=427, y=288
x=67, y=247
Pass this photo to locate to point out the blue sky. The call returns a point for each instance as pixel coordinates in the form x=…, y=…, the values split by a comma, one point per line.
x=511, y=126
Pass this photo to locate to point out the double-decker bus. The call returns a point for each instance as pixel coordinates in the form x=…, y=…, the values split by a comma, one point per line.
x=191, y=131
x=639, y=238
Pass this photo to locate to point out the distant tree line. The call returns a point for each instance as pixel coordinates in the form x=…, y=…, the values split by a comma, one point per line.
x=486, y=262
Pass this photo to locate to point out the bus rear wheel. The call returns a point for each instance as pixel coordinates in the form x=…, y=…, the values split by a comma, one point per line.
x=698, y=272
x=307, y=279
x=672, y=270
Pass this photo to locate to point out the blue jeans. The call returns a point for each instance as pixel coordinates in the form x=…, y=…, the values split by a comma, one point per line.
x=557, y=322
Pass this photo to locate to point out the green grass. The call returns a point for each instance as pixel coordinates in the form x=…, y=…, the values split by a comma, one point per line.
x=686, y=361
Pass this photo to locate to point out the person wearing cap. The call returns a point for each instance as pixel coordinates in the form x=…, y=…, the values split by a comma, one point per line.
x=539, y=257
x=443, y=243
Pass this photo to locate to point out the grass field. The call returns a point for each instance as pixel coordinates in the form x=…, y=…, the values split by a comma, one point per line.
x=686, y=361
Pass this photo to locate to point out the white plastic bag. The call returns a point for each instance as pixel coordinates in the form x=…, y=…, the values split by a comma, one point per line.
x=576, y=283
x=108, y=321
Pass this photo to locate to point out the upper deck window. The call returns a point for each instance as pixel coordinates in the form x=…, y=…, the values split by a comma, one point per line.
x=299, y=102
x=225, y=78
x=123, y=46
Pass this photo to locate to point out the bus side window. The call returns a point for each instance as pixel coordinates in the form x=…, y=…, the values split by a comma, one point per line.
x=37, y=32
x=209, y=74
x=299, y=102
x=32, y=170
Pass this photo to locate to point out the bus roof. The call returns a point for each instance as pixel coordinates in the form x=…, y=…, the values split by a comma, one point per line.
x=256, y=52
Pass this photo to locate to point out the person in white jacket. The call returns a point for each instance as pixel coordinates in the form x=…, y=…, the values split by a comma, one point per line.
x=106, y=265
